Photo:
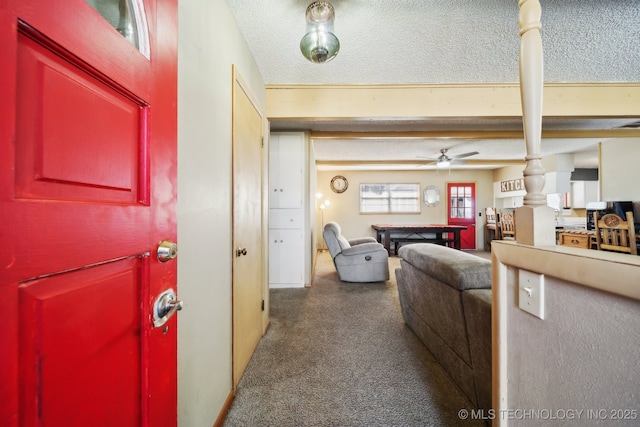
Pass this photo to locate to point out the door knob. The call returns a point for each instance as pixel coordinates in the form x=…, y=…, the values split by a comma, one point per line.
x=241, y=251
x=167, y=251
x=165, y=306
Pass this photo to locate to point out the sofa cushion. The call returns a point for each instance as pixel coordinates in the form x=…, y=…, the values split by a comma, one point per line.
x=334, y=227
x=344, y=243
x=439, y=305
x=477, y=313
x=456, y=268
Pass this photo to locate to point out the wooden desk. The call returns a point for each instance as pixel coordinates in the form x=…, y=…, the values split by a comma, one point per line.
x=383, y=233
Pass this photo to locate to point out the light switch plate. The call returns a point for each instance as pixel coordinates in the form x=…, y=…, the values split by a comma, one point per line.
x=531, y=292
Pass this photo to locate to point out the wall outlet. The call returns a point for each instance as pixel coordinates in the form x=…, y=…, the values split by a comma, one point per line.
x=531, y=293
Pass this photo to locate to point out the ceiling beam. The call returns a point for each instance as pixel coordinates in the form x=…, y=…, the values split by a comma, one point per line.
x=448, y=100
x=559, y=134
x=415, y=162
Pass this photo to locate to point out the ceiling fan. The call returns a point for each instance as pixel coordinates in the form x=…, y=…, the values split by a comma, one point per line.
x=444, y=161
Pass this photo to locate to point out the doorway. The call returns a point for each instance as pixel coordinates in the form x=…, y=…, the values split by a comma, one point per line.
x=461, y=208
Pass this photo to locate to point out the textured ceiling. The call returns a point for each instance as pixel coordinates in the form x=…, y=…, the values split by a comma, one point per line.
x=409, y=153
x=436, y=41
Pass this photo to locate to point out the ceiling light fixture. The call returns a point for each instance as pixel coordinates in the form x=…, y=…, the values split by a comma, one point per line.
x=320, y=44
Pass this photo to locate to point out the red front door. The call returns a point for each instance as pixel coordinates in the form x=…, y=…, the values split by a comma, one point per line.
x=87, y=191
x=461, y=200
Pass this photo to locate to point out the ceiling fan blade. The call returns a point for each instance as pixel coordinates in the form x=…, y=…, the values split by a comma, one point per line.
x=426, y=160
x=462, y=156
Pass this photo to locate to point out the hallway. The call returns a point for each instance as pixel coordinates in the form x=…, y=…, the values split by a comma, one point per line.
x=340, y=354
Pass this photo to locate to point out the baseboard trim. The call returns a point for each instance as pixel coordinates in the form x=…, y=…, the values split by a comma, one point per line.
x=225, y=409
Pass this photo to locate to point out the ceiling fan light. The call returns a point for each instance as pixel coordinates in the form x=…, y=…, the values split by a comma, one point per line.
x=443, y=164
x=319, y=46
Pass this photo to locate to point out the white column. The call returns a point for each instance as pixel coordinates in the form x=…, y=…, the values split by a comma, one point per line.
x=535, y=221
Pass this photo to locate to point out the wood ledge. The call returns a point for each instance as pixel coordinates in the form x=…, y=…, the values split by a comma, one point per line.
x=586, y=267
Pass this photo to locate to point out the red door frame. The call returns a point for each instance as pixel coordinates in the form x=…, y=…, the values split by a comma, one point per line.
x=461, y=210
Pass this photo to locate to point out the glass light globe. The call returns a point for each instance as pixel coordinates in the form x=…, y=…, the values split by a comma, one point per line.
x=319, y=46
x=320, y=12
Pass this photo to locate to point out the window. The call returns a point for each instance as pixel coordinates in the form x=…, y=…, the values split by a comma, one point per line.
x=461, y=202
x=128, y=18
x=389, y=198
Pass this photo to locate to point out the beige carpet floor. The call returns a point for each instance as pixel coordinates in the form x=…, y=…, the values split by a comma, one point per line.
x=340, y=354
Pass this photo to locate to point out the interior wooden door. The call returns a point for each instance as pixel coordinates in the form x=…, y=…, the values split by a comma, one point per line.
x=461, y=203
x=87, y=190
x=248, y=284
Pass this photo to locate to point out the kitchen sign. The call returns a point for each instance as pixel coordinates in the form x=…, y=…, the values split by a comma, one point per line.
x=512, y=185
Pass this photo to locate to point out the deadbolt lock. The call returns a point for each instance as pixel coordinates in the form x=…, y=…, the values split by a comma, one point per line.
x=167, y=251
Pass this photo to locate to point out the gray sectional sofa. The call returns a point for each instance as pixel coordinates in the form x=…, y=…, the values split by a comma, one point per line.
x=445, y=297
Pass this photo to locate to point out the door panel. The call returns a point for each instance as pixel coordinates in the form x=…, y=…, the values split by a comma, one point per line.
x=290, y=152
x=87, y=190
x=85, y=148
x=247, y=228
x=461, y=201
x=79, y=332
x=286, y=257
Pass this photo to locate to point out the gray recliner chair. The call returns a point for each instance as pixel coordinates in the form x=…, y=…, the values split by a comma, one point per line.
x=356, y=260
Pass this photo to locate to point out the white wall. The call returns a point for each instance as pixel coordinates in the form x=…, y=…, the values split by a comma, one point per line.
x=209, y=43
x=619, y=171
x=593, y=353
x=313, y=212
x=345, y=207
x=583, y=357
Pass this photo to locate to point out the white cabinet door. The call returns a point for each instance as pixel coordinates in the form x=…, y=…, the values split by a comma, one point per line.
x=286, y=166
x=577, y=195
x=591, y=191
x=286, y=218
x=583, y=192
x=286, y=258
